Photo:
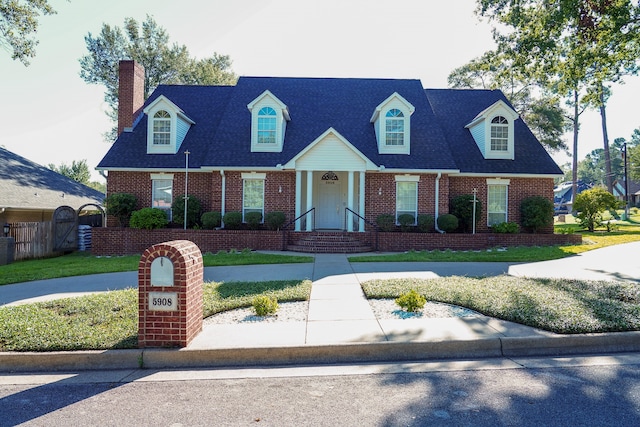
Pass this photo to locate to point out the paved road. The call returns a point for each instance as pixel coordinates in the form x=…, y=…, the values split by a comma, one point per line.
x=577, y=391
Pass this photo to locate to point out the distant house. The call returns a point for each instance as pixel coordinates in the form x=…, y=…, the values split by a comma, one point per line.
x=563, y=195
x=333, y=152
x=619, y=191
x=30, y=192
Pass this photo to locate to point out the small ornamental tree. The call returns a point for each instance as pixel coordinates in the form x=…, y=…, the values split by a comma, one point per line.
x=121, y=205
x=590, y=204
x=462, y=208
x=536, y=213
x=193, y=211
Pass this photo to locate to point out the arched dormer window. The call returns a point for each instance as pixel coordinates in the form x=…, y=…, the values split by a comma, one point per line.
x=394, y=127
x=161, y=128
x=267, y=126
x=499, y=134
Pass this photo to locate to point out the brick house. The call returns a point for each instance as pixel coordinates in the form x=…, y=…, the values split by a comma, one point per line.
x=341, y=150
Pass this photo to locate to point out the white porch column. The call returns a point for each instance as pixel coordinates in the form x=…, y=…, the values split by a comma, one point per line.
x=350, y=202
x=361, y=204
x=298, y=199
x=310, y=200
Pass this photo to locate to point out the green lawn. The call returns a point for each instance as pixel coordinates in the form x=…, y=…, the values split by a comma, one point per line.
x=81, y=263
x=109, y=320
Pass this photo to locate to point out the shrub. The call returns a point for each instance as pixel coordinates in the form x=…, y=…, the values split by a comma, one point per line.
x=149, y=218
x=406, y=221
x=505, y=228
x=411, y=301
x=232, y=220
x=211, y=220
x=121, y=205
x=265, y=305
x=448, y=223
x=274, y=220
x=462, y=207
x=193, y=211
x=425, y=223
x=536, y=213
x=253, y=219
x=386, y=222
x=590, y=204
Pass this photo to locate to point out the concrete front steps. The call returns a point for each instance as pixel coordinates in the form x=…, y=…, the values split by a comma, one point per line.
x=327, y=242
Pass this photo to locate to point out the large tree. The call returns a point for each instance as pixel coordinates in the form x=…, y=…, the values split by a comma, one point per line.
x=538, y=108
x=77, y=171
x=578, y=46
x=148, y=44
x=18, y=25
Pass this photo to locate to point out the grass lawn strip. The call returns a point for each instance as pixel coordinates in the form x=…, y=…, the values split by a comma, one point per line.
x=109, y=320
x=556, y=305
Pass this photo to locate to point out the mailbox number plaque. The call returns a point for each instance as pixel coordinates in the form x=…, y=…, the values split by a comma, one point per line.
x=163, y=301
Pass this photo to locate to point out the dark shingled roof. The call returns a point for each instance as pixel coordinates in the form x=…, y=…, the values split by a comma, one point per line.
x=221, y=136
x=28, y=185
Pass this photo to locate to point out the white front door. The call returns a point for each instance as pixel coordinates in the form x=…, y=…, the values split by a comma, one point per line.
x=329, y=207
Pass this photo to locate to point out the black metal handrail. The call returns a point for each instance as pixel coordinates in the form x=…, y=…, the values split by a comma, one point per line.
x=375, y=226
x=284, y=227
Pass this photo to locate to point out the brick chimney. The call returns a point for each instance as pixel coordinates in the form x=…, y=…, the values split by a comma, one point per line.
x=130, y=93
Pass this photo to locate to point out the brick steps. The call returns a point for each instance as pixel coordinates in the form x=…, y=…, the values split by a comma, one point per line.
x=328, y=243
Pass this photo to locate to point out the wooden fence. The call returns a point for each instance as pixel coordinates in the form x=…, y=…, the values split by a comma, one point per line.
x=32, y=239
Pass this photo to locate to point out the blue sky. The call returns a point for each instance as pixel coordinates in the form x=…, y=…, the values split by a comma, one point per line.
x=50, y=115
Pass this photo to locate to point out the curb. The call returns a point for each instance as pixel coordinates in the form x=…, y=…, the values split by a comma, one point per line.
x=615, y=342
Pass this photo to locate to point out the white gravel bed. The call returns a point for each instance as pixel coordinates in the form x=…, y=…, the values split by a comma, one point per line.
x=297, y=312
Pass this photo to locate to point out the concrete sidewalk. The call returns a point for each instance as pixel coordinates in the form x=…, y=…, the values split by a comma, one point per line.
x=340, y=325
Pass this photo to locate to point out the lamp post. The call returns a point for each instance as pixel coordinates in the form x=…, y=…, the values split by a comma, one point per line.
x=475, y=200
x=6, y=229
x=186, y=181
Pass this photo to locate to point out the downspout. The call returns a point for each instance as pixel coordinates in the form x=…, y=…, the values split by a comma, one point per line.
x=435, y=223
x=224, y=190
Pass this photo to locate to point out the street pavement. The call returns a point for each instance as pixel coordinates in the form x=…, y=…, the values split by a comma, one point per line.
x=340, y=326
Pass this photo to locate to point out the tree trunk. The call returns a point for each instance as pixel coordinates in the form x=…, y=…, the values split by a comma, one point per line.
x=576, y=128
x=605, y=137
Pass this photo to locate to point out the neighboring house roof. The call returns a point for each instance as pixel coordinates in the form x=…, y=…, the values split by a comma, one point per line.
x=221, y=135
x=27, y=185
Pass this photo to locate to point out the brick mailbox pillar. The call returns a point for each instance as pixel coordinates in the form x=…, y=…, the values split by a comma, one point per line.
x=170, y=278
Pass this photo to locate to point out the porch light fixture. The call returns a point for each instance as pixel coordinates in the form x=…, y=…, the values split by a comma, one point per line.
x=6, y=229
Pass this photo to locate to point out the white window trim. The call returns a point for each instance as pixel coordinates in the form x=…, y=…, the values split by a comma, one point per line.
x=494, y=183
x=253, y=176
x=480, y=128
x=164, y=177
x=163, y=103
x=268, y=99
x=407, y=178
x=393, y=102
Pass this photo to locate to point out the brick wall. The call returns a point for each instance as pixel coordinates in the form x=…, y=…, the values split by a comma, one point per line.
x=178, y=327
x=128, y=241
x=130, y=93
x=280, y=192
x=519, y=189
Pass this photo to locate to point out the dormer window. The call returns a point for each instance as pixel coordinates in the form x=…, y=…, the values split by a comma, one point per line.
x=161, y=128
x=267, y=126
x=394, y=127
x=167, y=126
x=499, y=134
x=269, y=117
x=392, y=123
x=493, y=131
